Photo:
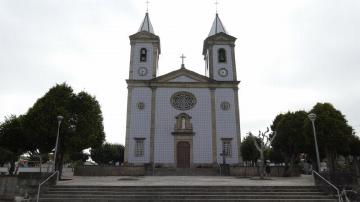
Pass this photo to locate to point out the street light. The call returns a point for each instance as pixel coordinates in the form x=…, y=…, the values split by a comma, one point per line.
x=312, y=118
x=59, y=119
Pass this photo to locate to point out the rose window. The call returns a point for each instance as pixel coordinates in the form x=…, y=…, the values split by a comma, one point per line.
x=183, y=100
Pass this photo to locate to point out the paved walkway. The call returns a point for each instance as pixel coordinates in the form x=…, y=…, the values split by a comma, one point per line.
x=304, y=180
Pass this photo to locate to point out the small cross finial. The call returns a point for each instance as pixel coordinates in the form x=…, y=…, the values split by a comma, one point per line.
x=216, y=6
x=147, y=6
x=182, y=60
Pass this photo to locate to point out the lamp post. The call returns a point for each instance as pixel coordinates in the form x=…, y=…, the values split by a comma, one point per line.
x=312, y=118
x=59, y=119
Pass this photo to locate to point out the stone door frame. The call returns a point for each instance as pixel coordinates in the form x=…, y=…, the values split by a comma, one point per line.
x=187, y=139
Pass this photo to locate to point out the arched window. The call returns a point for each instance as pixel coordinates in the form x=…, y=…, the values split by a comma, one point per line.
x=143, y=54
x=183, y=125
x=221, y=55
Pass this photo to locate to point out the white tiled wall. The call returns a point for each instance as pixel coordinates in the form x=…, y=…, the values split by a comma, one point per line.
x=140, y=124
x=165, y=121
x=227, y=65
x=226, y=123
x=148, y=64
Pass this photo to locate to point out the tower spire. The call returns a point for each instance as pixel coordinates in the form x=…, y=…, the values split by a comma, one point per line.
x=146, y=25
x=217, y=26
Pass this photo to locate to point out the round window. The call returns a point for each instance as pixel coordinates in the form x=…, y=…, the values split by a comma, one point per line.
x=225, y=106
x=140, y=105
x=183, y=100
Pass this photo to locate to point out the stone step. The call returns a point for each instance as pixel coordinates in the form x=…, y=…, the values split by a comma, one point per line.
x=183, y=172
x=186, y=189
x=176, y=192
x=188, y=200
x=185, y=196
x=183, y=193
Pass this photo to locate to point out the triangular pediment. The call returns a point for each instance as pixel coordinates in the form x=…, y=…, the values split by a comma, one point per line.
x=182, y=75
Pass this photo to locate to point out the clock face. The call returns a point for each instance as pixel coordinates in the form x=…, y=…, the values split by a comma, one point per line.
x=223, y=72
x=142, y=71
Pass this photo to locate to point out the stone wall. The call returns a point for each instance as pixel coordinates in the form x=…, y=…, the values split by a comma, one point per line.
x=109, y=171
x=11, y=186
x=275, y=171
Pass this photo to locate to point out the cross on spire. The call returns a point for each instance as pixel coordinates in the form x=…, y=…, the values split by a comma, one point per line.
x=147, y=6
x=182, y=60
x=216, y=6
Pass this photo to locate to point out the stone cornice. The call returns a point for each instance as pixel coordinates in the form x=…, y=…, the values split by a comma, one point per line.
x=151, y=84
x=219, y=38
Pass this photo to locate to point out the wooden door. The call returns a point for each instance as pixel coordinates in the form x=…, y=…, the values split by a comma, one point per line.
x=183, y=155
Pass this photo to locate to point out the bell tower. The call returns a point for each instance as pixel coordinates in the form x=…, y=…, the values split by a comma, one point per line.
x=145, y=51
x=219, y=55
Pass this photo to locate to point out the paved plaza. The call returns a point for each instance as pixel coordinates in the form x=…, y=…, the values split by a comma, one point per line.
x=303, y=180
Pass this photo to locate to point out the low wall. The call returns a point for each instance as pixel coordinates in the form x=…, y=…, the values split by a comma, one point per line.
x=11, y=186
x=275, y=171
x=108, y=171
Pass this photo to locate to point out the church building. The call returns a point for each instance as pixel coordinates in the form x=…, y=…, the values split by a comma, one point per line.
x=182, y=119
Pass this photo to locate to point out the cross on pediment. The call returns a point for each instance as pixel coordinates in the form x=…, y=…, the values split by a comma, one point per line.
x=182, y=60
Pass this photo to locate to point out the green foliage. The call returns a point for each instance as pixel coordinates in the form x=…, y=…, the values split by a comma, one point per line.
x=78, y=156
x=248, y=149
x=354, y=146
x=81, y=110
x=13, y=141
x=332, y=129
x=274, y=156
x=6, y=156
x=290, y=139
x=108, y=154
x=81, y=128
x=12, y=137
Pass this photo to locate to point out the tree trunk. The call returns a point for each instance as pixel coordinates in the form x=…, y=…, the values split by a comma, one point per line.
x=330, y=155
x=289, y=167
x=286, y=161
x=12, y=168
x=356, y=165
x=262, y=164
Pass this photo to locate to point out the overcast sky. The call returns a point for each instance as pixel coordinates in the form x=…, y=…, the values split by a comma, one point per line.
x=289, y=54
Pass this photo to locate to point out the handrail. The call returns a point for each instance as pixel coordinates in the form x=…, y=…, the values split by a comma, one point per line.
x=43, y=182
x=333, y=186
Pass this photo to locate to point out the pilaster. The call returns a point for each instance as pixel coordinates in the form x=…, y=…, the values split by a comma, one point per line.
x=128, y=118
x=152, y=126
x=213, y=125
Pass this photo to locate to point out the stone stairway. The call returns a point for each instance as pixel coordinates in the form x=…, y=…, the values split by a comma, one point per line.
x=183, y=172
x=184, y=193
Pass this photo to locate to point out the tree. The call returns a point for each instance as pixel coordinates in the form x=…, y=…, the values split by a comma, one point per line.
x=13, y=141
x=332, y=130
x=355, y=152
x=108, y=154
x=249, y=151
x=274, y=156
x=290, y=139
x=81, y=128
x=265, y=141
x=6, y=156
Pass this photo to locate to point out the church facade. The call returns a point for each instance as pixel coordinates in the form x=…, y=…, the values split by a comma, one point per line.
x=182, y=119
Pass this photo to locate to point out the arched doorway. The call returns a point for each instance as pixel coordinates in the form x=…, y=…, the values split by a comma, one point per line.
x=183, y=154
